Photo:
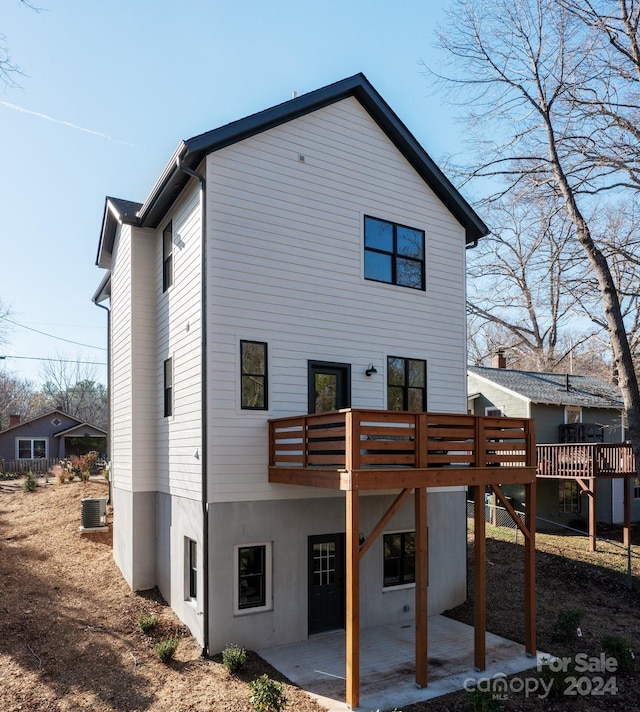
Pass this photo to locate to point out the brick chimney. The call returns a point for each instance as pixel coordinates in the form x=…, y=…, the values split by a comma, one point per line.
x=14, y=420
x=499, y=360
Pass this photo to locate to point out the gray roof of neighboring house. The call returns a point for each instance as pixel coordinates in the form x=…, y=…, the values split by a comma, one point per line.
x=190, y=153
x=551, y=388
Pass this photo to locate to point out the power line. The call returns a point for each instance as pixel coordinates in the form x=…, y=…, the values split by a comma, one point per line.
x=56, y=360
x=59, y=338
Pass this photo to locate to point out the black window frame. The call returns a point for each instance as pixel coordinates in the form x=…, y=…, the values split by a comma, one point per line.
x=255, y=376
x=255, y=580
x=406, y=572
x=569, y=497
x=407, y=386
x=192, y=568
x=168, y=387
x=167, y=256
x=395, y=255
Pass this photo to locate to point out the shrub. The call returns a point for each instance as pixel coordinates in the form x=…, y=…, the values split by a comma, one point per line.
x=166, y=649
x=30, y=483
x=619, y=647
x=266, y=695
x=555, y=676
x=58, y=472
x=567, y=624
x=234, y=657
x=147, y=622
x=484, y=701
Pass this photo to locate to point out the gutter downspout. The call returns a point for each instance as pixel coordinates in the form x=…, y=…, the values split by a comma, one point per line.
x=108, y=390
x=203, y=414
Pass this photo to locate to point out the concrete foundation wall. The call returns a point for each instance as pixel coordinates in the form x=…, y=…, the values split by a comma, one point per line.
x=134, y=536
x=286, y=525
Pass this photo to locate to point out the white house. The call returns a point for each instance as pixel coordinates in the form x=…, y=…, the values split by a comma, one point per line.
x=304, y=259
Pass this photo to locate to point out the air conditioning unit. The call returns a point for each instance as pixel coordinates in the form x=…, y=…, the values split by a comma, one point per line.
x=94, y=513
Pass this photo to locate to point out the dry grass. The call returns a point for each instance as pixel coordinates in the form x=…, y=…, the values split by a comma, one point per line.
x=69, y=639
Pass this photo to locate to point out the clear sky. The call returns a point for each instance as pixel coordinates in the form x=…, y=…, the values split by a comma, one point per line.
x=109, y=90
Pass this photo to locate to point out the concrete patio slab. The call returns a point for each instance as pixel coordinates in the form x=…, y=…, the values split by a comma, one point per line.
x=387, y=664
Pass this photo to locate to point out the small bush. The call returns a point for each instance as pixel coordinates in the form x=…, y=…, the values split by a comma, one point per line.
x=147, y=622
x=30, y=484
x=266, y=695
x=619, y=647
x=483, y=701
x=166, y=649
x=234, y=657
x=555, y=677
x=567, y=624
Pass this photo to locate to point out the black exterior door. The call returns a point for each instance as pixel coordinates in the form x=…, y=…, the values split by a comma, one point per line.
x=329, y=386
x=326, y=583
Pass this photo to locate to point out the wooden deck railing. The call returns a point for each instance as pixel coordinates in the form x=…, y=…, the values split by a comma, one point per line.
x=585, y=460
x=354, y=439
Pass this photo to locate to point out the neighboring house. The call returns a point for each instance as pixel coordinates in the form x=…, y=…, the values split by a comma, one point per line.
x=566, y=408
x=303, y=260
x=39, y=442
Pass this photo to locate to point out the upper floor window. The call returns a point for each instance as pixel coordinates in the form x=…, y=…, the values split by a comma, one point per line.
x=31, y=448
x=406, y=383
x=167, y=257
x=393, y=253
x=253, y=363
x=572, y=414
x=168, y=387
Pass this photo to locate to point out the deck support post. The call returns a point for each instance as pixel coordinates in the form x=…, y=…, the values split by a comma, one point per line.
x=353, y=598
x=592, y=514
x=530, y=570
x=626, y=531
x=422, y=563
x=480, y=580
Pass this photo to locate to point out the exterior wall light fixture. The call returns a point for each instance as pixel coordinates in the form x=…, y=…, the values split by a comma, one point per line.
x=371, y=370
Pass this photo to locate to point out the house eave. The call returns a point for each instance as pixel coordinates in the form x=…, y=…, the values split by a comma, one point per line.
x=192, y=151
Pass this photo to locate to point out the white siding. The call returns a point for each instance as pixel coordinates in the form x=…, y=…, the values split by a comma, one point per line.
x=285, y=265
x=179, y=337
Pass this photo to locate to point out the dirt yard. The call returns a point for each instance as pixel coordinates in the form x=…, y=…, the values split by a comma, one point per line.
x=69, y=639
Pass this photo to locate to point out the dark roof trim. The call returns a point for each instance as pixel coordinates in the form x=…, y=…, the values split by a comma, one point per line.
x=116, y=212
x=48, y=414
x=191, y=152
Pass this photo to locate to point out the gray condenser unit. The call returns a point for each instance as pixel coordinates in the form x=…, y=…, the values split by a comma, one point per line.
x=94, y=512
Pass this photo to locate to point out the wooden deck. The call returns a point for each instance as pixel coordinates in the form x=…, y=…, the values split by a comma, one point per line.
x=357, y=449
x=599, y=460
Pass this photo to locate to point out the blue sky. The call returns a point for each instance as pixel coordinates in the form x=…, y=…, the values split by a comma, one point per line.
x=110, y=88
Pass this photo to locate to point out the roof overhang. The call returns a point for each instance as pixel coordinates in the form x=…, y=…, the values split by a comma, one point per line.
x=190, y=154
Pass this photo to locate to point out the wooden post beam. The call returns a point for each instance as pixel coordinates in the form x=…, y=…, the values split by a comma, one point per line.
x=422, y=573
x=592, y=515
x=353, y=598
x=384, y=520
x=626, y=536
x=530, y=570
x=480, y=580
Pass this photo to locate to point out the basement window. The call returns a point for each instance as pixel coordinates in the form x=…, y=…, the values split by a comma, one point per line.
x=252, y=578
x=399, y=558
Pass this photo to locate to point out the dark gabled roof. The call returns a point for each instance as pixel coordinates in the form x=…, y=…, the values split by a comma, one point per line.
x=551, y=388
x=83, y=427
x=191, y=152
x=48, y=414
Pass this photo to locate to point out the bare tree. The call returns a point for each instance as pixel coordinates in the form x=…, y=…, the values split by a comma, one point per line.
x=524, y=62
x=520, y=286
x=70, y=386
x=17, y=397
x=9, y=70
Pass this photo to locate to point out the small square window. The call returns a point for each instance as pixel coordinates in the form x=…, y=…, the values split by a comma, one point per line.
x=393, y=253
x=253, y=577
x=253, y=365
